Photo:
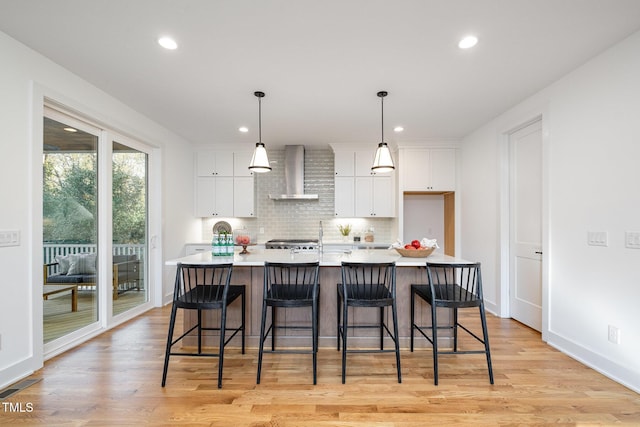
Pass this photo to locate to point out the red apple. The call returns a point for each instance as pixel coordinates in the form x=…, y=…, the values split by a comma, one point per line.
x=415, y=244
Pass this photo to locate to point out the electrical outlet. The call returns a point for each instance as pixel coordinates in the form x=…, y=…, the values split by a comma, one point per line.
x=632, y=239
x=614, y=334
x=597, y=238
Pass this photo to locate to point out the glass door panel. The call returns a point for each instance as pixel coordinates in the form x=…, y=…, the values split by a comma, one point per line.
x=129, y=224
x=70, y=227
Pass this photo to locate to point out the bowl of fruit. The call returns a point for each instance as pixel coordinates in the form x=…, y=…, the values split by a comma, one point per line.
x=415, y=249
x=243, y=237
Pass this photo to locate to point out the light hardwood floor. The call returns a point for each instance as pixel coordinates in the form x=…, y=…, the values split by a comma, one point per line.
x=59, y=320
x=115, y=379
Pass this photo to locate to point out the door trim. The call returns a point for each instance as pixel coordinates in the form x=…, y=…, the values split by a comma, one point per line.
x=504, y=213
x=42, y=95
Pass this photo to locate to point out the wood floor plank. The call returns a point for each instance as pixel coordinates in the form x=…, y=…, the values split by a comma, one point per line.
x=114, y=379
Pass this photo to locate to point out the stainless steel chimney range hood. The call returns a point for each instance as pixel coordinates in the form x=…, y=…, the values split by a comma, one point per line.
x=294, y=175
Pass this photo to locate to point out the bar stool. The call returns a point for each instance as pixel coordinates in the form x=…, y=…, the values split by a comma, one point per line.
x=453, y=286
x=367, y=285
x=290, y=285
x=203, y=288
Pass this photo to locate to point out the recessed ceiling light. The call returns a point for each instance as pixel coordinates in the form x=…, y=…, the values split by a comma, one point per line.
x=467, y=42
x=243, y=129
x=68, y=129
x=398, y=129
x=168, y=43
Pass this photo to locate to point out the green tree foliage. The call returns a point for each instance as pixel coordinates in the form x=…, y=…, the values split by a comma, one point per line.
x=70, y=198
x=129, y=198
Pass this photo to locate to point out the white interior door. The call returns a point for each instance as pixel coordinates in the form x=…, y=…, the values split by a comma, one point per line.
x=525, y=188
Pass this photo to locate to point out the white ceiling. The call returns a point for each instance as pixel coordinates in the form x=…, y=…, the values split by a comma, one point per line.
x=320, y=62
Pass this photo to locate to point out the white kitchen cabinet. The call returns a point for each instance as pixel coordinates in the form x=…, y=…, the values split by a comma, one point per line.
x=214, y=163
x=443, y=169
x=343, y=163
x=428, y=169
x=241, y=161
x=354, y=163
x=364, y=161
x=359, y=192
x=243, y=197
x=214, y=196
x=344, y=196
x=224, y=184
x=383, y=196
x=374, y=196
x=196, y=249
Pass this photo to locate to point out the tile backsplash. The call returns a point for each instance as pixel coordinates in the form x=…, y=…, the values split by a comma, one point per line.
x=299, y=219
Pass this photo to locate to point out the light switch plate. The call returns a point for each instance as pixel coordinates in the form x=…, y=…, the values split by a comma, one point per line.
x=597, y=238
x=632, y=239
x=9, y=238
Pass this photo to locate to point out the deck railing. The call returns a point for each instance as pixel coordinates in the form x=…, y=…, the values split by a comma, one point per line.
x=52, y=250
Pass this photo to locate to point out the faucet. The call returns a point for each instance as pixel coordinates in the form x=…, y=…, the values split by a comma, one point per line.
x=320, y=233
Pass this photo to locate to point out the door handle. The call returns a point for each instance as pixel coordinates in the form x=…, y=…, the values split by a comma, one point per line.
x=538, y=252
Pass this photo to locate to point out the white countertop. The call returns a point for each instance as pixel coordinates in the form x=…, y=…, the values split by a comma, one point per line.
x=331, y=258
x=349, y=244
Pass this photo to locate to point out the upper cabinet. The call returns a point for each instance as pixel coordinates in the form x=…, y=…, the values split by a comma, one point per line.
x=364, y=161
x=359, y=192
x=353, y=163
x=374, y=196
x=241, y=161
x=224, y=184
x=343, y=163
x=344, y=196
x=214, y=196
x=432, y=169
x=215, y=163
x=243, y=197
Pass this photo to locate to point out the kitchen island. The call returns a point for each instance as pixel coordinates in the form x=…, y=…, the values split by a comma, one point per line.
x=248, y=270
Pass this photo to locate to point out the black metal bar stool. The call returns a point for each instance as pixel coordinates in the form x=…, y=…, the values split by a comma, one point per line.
x=453, y=286
x=204, y=287
x=290, y=285
x=367, y=285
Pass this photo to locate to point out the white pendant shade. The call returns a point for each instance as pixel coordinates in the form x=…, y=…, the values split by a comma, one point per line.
x=260, y=161
x=383, y=161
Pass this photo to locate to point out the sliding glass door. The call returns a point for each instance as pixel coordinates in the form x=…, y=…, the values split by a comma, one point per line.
x=130, y=226
x=70, y=226
x=95, y=228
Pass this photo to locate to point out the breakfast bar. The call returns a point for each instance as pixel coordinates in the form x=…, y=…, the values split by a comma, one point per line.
x=248, y=270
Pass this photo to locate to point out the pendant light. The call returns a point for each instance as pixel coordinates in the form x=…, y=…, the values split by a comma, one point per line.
x=259, y=161
x=382, y=161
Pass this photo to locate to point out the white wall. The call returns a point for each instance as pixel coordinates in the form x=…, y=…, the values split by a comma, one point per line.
x=25, y=77
x=591, y=126
x=423, y=217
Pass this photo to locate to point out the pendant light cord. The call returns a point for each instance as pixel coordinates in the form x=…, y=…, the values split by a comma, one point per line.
x=259, y=95
x=382, y=118
x=260, y=119
x=382, y=94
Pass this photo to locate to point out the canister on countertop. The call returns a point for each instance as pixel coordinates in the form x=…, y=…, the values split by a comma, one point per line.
x=368, y=235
